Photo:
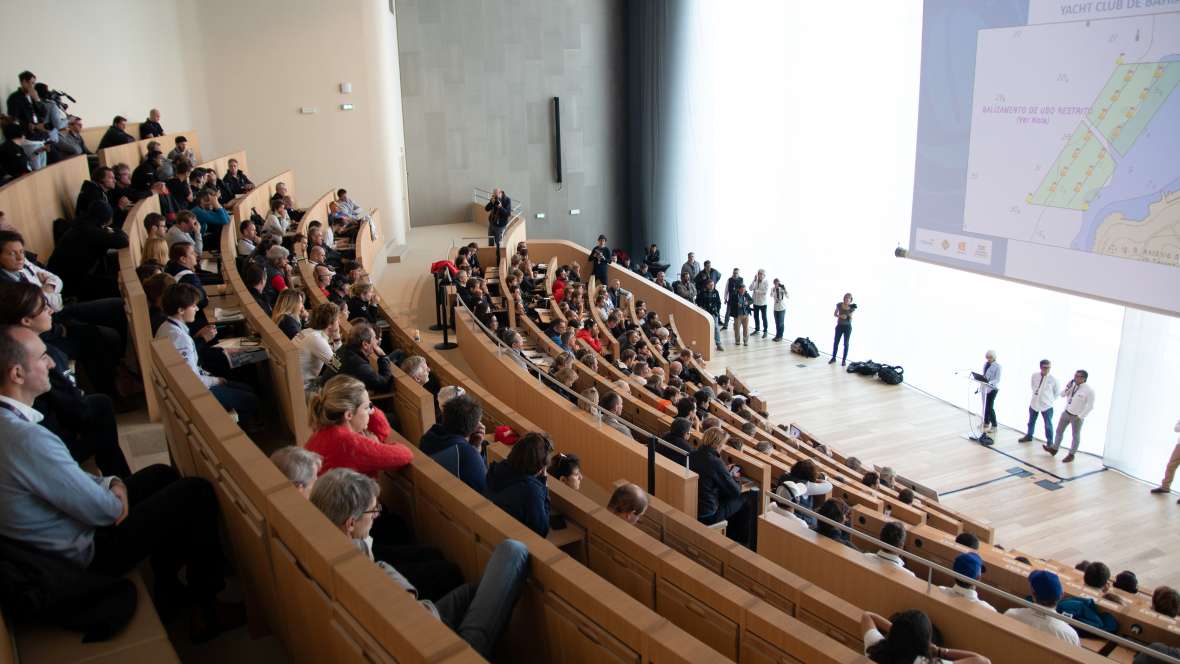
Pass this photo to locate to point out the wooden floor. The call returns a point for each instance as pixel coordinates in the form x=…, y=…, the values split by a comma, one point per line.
x=1079, y=511
x=1094, y=514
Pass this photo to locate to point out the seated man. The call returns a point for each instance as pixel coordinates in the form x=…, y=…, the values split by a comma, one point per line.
x=1085, y=609
x=116, y=134
x=185, y=230
x=967, y=564
x=893, y=534
x=247, y=238
x=1165, y=600
x=348, y=208
x=477, y=613
x=236, y=180
x=301, y=466
x=182, y=151
x=211, y=216
x=80, y=255
x=456, y=442
x=1046, y=591
x=254, y=277
x=102, y=180
x=150, y=128
x=628, y=502
x=69, y=141
x=107, y=525
x=357, y=357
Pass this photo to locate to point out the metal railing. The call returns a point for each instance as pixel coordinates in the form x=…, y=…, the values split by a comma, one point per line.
x=481, y=196
x=932, y=566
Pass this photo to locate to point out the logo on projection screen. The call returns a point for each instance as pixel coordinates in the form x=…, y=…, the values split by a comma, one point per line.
x=950, y=245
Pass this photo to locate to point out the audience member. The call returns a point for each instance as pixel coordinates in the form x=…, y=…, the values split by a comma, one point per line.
x=628, y=502
x=317, y=343
x=349, y=432
x=971, y=565
x=116, y=134
x=1166, y=600
x=363, y=359
x=567, y=469
x=517, y=484
x=719, y=495
x=300, y=466
x=182, y=151
x=456, y=442
x=108, y=525
x=1127, y=582
x=80, y=254
x=969, y=540
x=907, y=638
x=906, y=496
x=1046, y=591
x=477, y=613
x=288, y=312
x=150, y=128
x=892, y=533
x=236, y=179
x=836, y=510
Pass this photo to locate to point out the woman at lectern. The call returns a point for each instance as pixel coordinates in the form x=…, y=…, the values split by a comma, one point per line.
x=844, y=310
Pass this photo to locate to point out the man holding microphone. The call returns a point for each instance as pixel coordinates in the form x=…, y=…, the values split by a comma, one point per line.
x=1044, y=392
x=1079, y=402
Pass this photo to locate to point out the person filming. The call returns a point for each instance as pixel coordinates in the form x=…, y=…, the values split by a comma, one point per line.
x=499, y=210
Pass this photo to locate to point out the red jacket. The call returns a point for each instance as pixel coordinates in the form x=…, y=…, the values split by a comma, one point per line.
x=585, y=335
x=559, y=290
x=343, y=448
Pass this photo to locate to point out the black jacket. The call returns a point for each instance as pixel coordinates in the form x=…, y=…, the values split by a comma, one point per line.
x=148, y=127
x=741, y=304
x=711, y=275
x=358, y=308
x=115, y=136
x=355, y=364
x=21, y=109
x=81, y=249
x=64, y=405
x=498, y=215
x=290, y=326
x=236, y=184
x=13, y=160
x=525, y=497
x=731, y=286
x=456, y=454
x=678, y=441
x=90, y=192
x=710, y=301
x=714, y=485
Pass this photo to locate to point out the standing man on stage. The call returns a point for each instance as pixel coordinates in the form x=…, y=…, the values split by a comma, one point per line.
x=1044, y=392
x=989, y=390
x=731, y=288
x=1079, y=402
x=1170, y=470
x=499, y=209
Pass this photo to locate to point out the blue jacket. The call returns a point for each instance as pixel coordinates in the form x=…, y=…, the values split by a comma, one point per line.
x=1085, y=609
x=454, y=453
x=525, y=497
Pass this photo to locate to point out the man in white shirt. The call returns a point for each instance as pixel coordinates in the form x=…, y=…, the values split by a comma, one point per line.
x=967, y=564
x=893, y=534
x=1079, y=402
x=1047, y=591
x=1170, y=470
x=1044, y=392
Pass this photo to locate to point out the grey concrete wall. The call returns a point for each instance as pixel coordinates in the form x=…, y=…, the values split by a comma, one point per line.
x=477, y=80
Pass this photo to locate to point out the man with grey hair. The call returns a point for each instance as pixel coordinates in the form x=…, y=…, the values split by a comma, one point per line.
x=300, y=465
x=477, y=613
x=989, y=380
x=416, y=368
x=357, y=358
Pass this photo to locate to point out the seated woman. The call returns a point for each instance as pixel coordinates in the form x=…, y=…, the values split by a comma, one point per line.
x=179, y=305
x=567, y=468
x=155, y=249
x=517, y=484
x=360, y=302
x=836, y=510
x=350, y=433
x=153, y=290
x=589, y=334
x=288, y=312
x=317, y=343
x=719, y=495
x=906, y=639
x=84, y=422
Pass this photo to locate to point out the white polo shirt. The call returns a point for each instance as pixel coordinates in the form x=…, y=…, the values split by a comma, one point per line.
x=890, y=558
x=969, y=594
x=1046, y=623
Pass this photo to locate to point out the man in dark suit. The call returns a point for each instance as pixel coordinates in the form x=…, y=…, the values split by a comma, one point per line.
x=116, y=134
x=150, y=128
x=22, y=106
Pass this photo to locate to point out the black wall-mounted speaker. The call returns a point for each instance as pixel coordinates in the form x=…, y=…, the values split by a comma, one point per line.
x=557, y=139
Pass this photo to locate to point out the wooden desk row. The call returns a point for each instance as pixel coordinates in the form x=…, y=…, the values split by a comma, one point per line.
x=133, y=153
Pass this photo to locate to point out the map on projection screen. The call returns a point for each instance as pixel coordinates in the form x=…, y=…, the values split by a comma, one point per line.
x=1063, y=144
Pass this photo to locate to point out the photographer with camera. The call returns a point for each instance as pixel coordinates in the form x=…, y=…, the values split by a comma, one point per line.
x=844, y=310
x=499, y=209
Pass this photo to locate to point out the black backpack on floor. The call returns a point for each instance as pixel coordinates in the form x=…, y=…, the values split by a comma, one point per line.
x=804, y=346
x=868, y=368
x=891, y=375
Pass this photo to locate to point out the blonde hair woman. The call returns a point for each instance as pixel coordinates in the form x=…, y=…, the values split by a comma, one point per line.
x=719, y=495
x=288, y=312
x=589, y=401
x=155, y=249
x=350, y=432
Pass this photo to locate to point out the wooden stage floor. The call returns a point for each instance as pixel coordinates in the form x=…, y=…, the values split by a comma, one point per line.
x=1037, y=504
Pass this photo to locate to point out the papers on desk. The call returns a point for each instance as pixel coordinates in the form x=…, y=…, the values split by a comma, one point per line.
x=227, y=315
x=242, y=351
x=210, y=265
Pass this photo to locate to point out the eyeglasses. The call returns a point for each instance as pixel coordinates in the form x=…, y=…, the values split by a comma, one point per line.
x=376, y=511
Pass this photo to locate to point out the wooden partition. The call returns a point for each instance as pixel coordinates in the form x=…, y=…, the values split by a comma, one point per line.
x=694, y=323
x=133, y=153
x=31, y=202
x=93, y=135
x=574, y=430
x=221, y=164
x=283, y=358
x=370, y=241
x=139, y=321
x=857, y=579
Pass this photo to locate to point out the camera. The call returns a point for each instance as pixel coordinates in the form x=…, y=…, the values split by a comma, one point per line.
x=852, y=306
x=56, y=96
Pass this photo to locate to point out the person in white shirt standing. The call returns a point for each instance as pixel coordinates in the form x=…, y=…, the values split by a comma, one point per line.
x=989, y=390
x=758, y=290
x=1170, y=471
x=1079, y=402
x=1044, y=392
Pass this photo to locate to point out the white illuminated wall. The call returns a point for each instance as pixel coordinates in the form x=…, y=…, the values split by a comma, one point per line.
x=794, y=152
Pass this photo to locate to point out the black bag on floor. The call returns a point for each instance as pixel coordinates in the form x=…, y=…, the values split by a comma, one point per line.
x=855, y=367
x=869, y=368
x=891, y=375
x=804, y=346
